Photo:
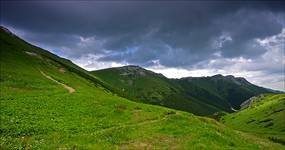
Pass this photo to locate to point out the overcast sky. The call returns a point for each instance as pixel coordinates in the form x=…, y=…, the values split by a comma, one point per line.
x=177, y=39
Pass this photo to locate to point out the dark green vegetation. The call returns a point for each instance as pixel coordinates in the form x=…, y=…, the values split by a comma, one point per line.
x=264, y=117
x=39, y=113
x=232, y=89
x=145, y=86
x=198, y=95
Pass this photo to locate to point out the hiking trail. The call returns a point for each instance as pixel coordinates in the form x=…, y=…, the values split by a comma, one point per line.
x=70, y=89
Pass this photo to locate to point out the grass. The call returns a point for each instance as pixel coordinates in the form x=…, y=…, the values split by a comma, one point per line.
x=225, y=89
x=198, y=95
x=37, y=113
x=141, y=85
x=265, y=117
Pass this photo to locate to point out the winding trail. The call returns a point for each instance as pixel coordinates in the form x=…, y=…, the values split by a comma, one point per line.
x=70, y=89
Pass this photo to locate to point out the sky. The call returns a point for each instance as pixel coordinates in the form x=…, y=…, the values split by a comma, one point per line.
x=175, y=38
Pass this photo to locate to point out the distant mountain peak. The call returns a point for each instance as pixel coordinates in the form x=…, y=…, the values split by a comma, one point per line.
x=134, y=70
x=222, y=76
x=217, y=76
x=132, y=66
x=130, y=70
x=237, y=80
x=230, y=76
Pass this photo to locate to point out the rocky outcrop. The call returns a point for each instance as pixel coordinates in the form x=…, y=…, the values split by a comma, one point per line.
x=248, y=103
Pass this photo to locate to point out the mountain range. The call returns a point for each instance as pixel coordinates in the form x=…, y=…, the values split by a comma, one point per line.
x=48, y=102
x=198, y=95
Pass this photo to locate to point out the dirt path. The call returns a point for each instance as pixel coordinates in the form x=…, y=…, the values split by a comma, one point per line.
x=70, y=89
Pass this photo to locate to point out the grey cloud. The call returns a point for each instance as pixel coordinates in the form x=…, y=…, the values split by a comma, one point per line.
x=175, y=33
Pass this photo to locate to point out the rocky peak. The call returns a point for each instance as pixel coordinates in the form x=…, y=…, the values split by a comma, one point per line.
x=136, y=70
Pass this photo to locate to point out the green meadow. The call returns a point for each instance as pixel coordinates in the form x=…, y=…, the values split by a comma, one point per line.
x=39, y=113
x=265, y=117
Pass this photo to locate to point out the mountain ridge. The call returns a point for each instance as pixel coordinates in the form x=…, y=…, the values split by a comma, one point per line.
x=39, y=113
x=229, y=77
x=199, y=91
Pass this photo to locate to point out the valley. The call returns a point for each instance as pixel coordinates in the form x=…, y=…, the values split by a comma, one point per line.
x=48, y=102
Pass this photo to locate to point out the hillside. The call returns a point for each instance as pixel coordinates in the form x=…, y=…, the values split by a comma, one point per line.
x=198, y=95
x=39, y=112
x=232, y=89
x=146, y=86
x=263, y=116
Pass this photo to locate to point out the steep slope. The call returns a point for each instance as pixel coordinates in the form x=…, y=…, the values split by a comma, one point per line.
x=198, y=95
x=38, y=113
x=146, y=86
x=265, y=116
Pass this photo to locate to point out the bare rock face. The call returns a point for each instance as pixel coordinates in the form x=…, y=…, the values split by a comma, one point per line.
x=248, y=103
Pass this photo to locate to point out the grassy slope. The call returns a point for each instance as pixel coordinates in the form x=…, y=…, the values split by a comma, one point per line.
x=37, y=113
x=265, y=117
x=203, y=94
x=226, y=88
x=199, y=95
x=148, y=87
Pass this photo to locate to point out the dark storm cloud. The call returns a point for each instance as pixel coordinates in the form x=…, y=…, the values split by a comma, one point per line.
x=175, y=33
